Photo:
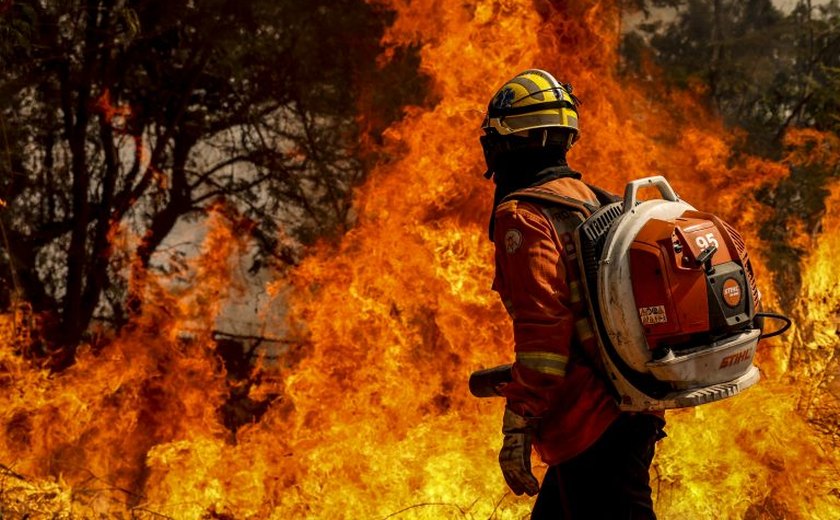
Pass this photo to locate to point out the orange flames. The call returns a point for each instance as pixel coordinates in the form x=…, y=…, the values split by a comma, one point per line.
x=375, y=419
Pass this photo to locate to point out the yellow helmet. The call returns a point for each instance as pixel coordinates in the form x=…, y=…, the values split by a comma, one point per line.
x=533, y=99
x=533, y=113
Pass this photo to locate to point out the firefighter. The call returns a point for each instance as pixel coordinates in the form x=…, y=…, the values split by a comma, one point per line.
x=559, y=400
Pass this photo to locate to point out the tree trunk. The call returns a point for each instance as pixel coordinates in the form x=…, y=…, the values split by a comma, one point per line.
x=178, y=204
x=72, y=322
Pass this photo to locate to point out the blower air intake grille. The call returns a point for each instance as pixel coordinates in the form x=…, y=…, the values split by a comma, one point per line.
x=600, y=222
x=593, y=232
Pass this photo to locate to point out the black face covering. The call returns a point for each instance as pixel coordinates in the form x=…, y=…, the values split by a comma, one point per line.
x=520, y=169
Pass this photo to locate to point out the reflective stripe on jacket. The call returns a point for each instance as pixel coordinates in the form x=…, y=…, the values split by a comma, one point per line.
x=537, y=279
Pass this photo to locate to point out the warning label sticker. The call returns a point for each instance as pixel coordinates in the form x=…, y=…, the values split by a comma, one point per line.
x=653, y=315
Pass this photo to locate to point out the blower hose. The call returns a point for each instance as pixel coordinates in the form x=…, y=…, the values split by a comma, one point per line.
x=774, y=316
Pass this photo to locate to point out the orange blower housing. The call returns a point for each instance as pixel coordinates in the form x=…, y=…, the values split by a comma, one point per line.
x=692, y=281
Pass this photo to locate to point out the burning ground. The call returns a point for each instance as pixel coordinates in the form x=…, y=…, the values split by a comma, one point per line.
x=374, y=419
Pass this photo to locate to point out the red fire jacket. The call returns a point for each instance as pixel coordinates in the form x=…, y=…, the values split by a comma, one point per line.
x=554, y=374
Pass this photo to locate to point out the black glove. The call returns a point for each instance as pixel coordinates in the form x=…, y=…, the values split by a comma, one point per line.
x=515, y=456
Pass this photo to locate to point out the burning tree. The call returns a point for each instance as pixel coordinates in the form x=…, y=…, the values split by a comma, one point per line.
x=144, y=114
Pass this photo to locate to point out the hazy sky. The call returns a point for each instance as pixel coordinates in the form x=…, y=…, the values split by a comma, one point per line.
x=664, y=13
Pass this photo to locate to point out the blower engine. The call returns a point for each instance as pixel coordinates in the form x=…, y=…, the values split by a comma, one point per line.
x=672, y=300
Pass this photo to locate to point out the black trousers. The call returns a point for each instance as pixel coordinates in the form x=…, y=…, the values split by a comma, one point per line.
x=610, y=480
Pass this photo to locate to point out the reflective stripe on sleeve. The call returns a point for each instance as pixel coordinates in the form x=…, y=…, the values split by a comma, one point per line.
x=545, y=362
x=574, y=292
x=583, y=329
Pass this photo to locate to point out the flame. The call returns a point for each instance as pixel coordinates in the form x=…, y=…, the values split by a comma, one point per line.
x=375, y=420
x=116, y=116
x=93, y=426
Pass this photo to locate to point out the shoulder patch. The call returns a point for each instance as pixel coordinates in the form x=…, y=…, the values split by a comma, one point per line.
x=513, y=240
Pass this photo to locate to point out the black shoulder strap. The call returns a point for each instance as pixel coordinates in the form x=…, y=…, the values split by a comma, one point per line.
x=586, y=207
x=604, y=197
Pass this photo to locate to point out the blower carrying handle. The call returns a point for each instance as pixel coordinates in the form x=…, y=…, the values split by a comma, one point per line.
x=659, y=181
x=488, y=382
